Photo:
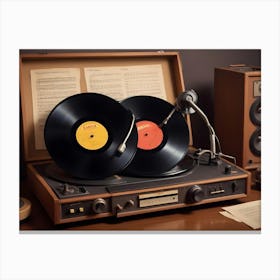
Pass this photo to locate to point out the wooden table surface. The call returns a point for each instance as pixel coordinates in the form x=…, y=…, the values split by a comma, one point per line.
x=202, y=217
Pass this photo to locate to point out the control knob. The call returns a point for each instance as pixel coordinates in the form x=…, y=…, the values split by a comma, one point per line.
x=195, y=194
x=98, y=205
x=227, y=169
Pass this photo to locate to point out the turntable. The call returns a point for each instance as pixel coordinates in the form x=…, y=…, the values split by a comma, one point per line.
x=92, y=156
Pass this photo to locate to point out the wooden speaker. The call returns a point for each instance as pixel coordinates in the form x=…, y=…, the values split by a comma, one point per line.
x=237, y=115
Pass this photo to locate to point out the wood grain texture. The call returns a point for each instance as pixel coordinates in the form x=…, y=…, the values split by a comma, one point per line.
x=233, y=100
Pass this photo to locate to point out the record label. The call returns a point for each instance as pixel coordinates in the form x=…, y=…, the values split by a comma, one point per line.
x=150, y=135
x=92, y=135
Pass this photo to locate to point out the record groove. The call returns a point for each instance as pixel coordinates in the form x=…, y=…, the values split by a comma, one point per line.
x=83, y=133
x=161, y=156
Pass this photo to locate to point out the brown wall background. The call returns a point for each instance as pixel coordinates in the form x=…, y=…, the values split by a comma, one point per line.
x=198, y=70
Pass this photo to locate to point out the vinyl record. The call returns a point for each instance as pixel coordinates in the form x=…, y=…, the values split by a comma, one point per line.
x=159, y=148
x=53, y=172
x=84, y=132
x=186, y=165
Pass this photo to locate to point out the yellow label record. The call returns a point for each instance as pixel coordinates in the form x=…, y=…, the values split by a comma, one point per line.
x=92, y=135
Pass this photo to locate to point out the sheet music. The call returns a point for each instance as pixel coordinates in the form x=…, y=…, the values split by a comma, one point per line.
x=248, y=213
x=120, y=82
x=49, y=87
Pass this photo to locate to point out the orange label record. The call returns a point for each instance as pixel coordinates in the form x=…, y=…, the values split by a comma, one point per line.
x=92, y=135
x=150, y=136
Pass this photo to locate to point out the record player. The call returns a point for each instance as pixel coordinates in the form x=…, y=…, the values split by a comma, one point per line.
x=193, y=176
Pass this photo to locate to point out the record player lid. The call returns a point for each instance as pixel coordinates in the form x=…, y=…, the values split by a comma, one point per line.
x=38, y=62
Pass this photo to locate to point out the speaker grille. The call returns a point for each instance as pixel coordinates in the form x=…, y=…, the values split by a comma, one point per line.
x=255, y=112
x=255, y=142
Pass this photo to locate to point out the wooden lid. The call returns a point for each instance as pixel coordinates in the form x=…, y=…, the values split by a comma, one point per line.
x=73, y=69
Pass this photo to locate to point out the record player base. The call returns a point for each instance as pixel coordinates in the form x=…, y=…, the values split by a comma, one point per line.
x=138, y=200
x=198, y=218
